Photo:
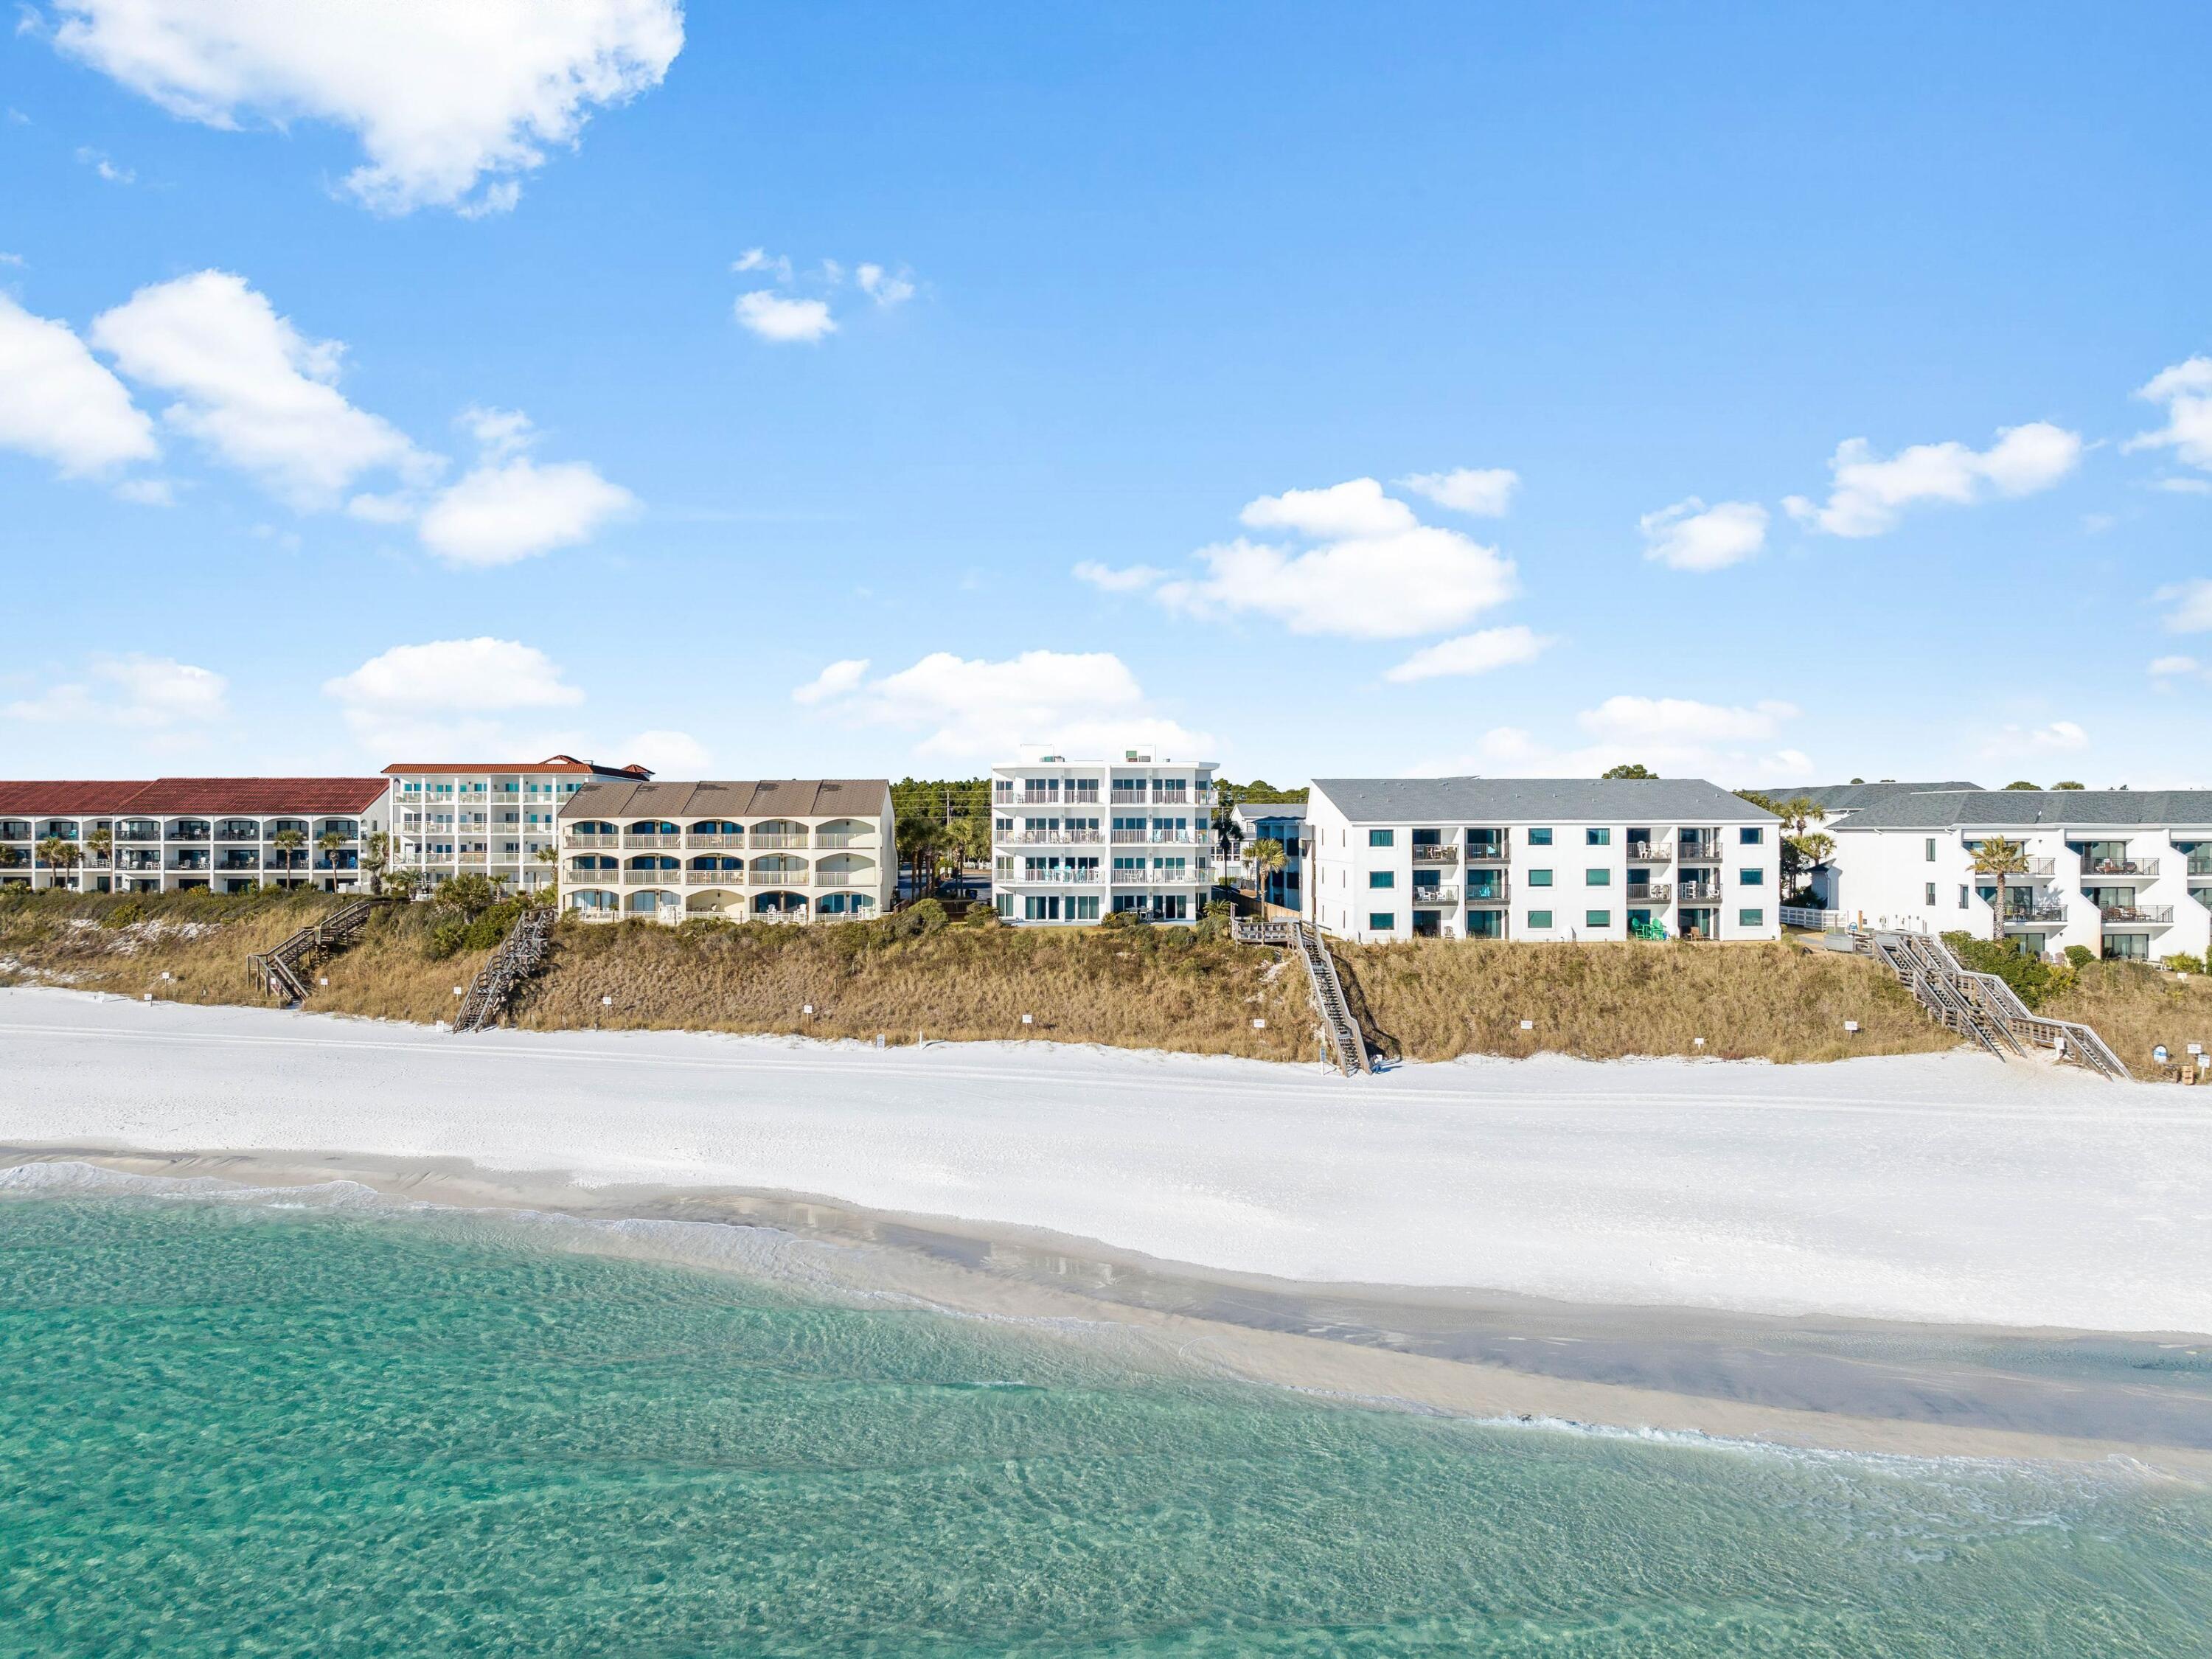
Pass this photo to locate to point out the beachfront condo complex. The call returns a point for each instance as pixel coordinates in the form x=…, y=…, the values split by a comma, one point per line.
x=498, y=821
x=1284, y=822
x=1074, y=840
x=787, y=849
x=172, y=835
x=1540, y=858
x=2119, y=872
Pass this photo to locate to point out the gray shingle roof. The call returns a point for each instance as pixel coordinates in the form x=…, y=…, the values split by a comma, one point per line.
x=1518, y=800
x=2001, y=809
x=796, y=798
x=1851, y=797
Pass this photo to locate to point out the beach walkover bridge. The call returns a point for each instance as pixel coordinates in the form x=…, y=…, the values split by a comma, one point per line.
x=1347, y=1043
x=517, y=961
x=1980, y=1005
x=283, y=971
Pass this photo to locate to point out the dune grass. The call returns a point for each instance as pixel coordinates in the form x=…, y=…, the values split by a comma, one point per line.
x=2136, y=1008
x=1142, y=987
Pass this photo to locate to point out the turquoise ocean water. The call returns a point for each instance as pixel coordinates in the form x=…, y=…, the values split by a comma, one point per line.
x=238, y=1429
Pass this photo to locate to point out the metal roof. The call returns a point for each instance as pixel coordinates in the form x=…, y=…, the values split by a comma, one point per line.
x=1516, y=800
x=2029, y=809
x=565, y=763
x=779, y=797
x=1253, y=811
x=1851, y=797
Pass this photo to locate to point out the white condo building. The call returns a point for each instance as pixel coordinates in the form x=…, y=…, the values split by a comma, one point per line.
x=2119, y=872
x=498, y=820
x=1540, y=858
x=785, y=850
x=1072, y=842
x=170, y=835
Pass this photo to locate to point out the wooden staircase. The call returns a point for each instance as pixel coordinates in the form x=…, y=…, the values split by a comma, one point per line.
x=1981, y=1005
x=284, y=971
x=1347, y=1043
x=518, y=959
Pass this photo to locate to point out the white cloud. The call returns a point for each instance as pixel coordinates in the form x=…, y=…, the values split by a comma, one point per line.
x=1870, y=495
x=15, y=259
x=2163, y=665
x=1377, y=573
x=759, y=259
x=146, y=492
x=1691, y=536
x=2186, y=389
x=1126, y=580
x=1483, y=492
x=1735, y=745
x=139, y=692
x=1472, y=654
x=252, y=388
x=2185, y=486
x=60, y=403
x=668, y=754
x=2192, y=607
x=780, y=319
x=886, y=288
x=2059, y=738
x=415, y=702
x=508, y=507
x=443, y=98
x=106, y=169
x=973, y=709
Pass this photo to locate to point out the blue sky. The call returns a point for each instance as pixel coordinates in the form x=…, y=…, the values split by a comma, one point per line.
x=376, y=387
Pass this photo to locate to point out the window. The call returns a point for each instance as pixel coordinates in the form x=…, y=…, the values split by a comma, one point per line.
x=1751, y=918
x=1380, y=837
x=1597, y=877
x=1540, y=877
x=1539, y=918
x=1382, y=921
x=1752, y=835
x=1931, y=896
x=1382, y=878
x=1931, y=849
x=1962, y=896
x=1539, y=838
x=1752, y=877
x=1597, y=918
x=1597, y=837
x=1086, y=909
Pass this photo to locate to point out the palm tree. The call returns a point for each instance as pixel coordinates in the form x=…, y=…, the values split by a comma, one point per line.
x=375, y=853
x=331, y=841
x=101, y=841
x=288, y=842
x=549, y=856
x=2000, y=858
x=58, y=854
x=1266, y=856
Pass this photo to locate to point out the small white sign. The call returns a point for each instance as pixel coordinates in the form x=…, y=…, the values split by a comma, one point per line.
x=806, y=1008
x=324, y=979
x=1025, y=1019
x=606, y=1002
x=2195, y=1047
x=1527, y=1024
x=165, y=973
x=1258, y=1024
x=456, y=990
x=2158, y=1053
x=1698, y=1042
x=1850, y=1025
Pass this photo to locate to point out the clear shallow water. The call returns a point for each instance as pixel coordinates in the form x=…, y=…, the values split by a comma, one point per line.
x=240, y=1429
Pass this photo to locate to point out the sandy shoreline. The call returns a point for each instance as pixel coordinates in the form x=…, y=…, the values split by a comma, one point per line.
x=1931, y=1254
x=1853, y=1386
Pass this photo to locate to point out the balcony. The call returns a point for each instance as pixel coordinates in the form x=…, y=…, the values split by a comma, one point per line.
x=779, y=838
x=1151, y=837
x=579, y=839
x=2137, y=915
x=1650, y=851
x=186, y=835
x=239, y=862
x=1655, y=892
x=1053, y=797
x=1433, y=896
x=196, y=861
x=1480, y=891
x=2038, y=913
x=2040, y=869
x=1488, y=852
x=2107, y=866
x=711, y=877
x=647, y=843
x=1424, y=853
x=1697, y=850
x=1056, y=837
x=1698, y=892
x=1081, y=875
x=651, y=878
x=867, y=838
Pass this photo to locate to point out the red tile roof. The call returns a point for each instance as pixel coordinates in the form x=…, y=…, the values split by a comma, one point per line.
x=160, y=795
x=551, y=763
x=69, y=799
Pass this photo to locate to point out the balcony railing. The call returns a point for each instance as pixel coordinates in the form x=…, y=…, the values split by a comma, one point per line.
x=1650, y=851
x=651, y=878
x=1487, y=892
x=1426, y=853
x=779, y=838
x=579, y=838
x=1150, y=837
x=858, y=837
x=1656, y=892
x=2154, y=916
x=778, y=877
x=1437, y=895
x=186, y=835
x=1489, y=851
x=1698, y=892
x=1056, y=837
x=2035, y=912
x=1051, y=798
x=1081, y=877
x=1697, y=850
x=2099, y=867
x=651, y=842
x=713, y=877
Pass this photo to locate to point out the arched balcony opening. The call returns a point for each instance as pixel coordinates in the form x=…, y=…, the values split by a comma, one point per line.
x=779, y=832
x=847, y=870
x=846, y=832
x=847, y=906
x=779, y=906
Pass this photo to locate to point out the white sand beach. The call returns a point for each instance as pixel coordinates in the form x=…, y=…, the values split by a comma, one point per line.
x=1943, y=1188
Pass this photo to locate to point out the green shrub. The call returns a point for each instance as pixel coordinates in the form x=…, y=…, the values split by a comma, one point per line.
x=2031, y=978
x=2080, y=956
x=2180, y=962
x=923, y=917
